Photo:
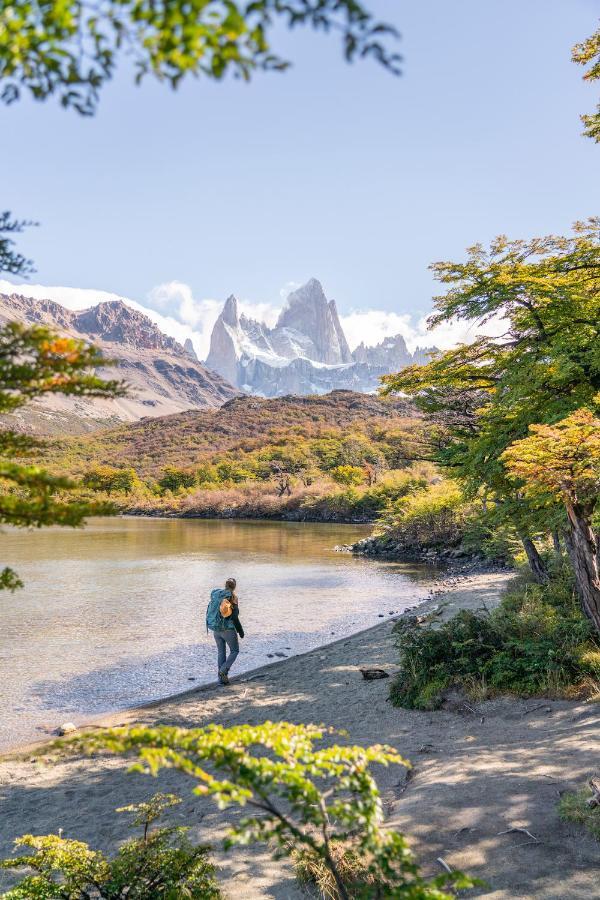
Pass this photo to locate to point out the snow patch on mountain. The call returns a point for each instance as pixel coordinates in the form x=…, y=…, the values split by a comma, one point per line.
x=306, y=352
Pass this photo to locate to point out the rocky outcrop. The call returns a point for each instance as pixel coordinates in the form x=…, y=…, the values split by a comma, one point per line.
x=162, y=376
x=188, y=349
x=313, y=320
x=305, y=353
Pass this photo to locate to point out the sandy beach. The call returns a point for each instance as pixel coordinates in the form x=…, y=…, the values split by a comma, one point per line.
x=480, y=770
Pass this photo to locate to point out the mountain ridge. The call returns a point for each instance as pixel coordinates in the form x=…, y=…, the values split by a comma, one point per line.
x=306, y=351
x=162, y=375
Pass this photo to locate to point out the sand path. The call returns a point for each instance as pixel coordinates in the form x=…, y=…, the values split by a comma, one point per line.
x=478, y=771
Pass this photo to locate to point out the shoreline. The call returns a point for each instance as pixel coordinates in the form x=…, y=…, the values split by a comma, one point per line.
x=481, y=770
x=440, y=584
x=108, y=719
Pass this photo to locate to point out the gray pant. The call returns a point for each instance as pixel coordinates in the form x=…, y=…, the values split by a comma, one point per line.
x=227, y=638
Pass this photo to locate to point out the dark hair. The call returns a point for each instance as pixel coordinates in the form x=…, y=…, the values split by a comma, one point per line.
x=230, y=584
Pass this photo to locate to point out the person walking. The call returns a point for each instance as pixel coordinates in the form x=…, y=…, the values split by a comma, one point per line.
x=222, y=618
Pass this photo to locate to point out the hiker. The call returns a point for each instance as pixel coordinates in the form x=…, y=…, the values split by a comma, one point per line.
x=222, y=618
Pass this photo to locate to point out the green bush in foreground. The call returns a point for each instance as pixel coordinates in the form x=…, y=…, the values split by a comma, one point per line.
x=161, y=865
x=313, y=804
x=574, y=807
x=536, y=642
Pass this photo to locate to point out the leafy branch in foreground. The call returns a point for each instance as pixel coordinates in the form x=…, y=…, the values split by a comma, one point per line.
x=10, y=260
x=35, y=362
x=588, y=54
x=305, y=801
x=71, y=48
x=161, y=864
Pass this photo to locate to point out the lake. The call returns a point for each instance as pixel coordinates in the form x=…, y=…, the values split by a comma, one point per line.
x=112, y=615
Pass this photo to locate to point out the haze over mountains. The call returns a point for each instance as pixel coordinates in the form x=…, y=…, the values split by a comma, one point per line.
x=164, y=377
x=306, y=352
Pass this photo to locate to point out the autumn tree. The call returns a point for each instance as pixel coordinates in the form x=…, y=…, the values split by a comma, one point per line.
x=545, y=295
x=562, y=462
x=34, y=362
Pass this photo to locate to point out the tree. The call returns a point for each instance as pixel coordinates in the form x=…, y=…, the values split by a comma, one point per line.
x=162, y=863
x=588, y=54
x=309, y=802
x=10, y=261
x=562, y=462
x=109, y=479
x=71, y=48
x=173, y=479
x=35, y=362
x=483, y=396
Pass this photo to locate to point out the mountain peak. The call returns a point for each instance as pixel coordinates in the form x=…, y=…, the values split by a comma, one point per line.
x=114, y=320
x=230, y=312
x=309, y=313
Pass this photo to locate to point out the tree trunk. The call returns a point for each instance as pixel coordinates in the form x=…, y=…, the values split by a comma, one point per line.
x=556, y=541
x=536, y=563
x=583, y=553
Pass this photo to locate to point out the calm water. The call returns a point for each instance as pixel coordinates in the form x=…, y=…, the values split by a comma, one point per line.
x=113, y=615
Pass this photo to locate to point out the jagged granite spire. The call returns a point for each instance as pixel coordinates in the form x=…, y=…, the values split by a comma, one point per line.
x=305, y=353
x=309, y=313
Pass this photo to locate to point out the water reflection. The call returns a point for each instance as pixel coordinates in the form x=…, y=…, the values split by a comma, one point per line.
x=113, y=615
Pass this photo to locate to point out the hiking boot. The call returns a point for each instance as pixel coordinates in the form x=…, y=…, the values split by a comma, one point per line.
x=223, y=678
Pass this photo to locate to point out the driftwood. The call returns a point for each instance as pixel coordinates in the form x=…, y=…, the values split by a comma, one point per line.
x=594, y=800
x=374, y=674
x=534, y=839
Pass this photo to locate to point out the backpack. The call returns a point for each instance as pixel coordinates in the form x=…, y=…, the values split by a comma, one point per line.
x=214, y=617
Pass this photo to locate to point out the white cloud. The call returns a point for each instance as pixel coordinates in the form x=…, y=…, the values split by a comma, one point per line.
x=373, y=325
x=173, y=307
x=176, y=299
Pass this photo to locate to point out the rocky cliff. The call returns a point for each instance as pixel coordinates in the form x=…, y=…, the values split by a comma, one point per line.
x=163, y=377
x=305, y=353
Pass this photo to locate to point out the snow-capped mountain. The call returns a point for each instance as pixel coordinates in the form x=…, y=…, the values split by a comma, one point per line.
x=305, y=353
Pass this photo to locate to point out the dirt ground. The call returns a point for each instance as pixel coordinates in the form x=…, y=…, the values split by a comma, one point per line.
x=480, y=770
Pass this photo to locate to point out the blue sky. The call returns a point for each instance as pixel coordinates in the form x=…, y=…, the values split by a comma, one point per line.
x=342, y=172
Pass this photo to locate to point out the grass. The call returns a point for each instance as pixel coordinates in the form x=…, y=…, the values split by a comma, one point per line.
x=573, y=807
x=535, y=643
x=312, y=872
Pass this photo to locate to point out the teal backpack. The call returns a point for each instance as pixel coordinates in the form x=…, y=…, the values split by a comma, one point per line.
x=214, y=620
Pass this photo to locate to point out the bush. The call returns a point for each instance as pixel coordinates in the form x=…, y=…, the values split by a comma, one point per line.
x=536, y=642
x=348, y=475
x=431, y=517
x=163, y=863
x=318, y=804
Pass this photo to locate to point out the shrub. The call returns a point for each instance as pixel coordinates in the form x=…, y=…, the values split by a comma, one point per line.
x=536, y=642
x=163, y=863
x=315, y=803
x=348, y=474
x=431, y=517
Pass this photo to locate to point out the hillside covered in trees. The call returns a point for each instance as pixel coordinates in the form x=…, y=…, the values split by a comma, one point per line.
x=342, y=456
